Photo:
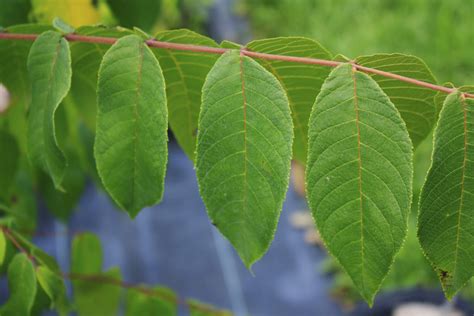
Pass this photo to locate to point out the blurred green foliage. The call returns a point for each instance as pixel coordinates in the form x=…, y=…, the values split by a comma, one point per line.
x=150, y=15
x=441, y=32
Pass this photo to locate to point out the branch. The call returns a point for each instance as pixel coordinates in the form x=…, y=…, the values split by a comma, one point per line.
x=216, y=50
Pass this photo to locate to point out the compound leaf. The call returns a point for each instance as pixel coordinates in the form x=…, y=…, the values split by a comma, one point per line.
x=131, y=139
x=415, y=104
x=184, y=72
x=244, y=152
x=302, y=82
x=22, y=287
x=359, y=176
x=446, y=217
x=49, y=67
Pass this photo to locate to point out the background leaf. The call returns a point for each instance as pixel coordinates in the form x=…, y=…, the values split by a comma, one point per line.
x=301, y=82
x=415, y=104
x=131, y=141
x=54, y=287
x=8, y=162
x=184, y=72
x=140, y=13
x=86, y=259
x=163, y=303
x=22, y=287
x=359, y=176
x=49, y=66
x=14, y=75
x=244, y=152
x=14, y=12
x=446, y=218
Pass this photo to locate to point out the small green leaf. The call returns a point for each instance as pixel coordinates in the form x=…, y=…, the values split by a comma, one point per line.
x=49, y=66
x=359, y=176
x=415, y=104
x=446, y=217
x=161, y=302
x=22, y=287
x=131, y=141
x=87, y=294
x=301, y=82
x=9, y=159
x=60, y=25
x=54, y=287
x=184, y=72
x=230, y=45
x=86, y=254
x=244, y=152
x=86, y=259
x=141, y=13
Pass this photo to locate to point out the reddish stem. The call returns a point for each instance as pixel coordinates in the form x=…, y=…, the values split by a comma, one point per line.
x=217, y=50
x=17, y=245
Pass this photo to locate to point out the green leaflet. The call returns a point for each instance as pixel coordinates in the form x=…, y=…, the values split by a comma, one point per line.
x=21, y=285
x=302, y=82
x=14, y=75
x=9, y=159
x=131, y=141
x=140, y=13
x=415, y=104
x=86, y=259
x=49, y=67
x=86, y=254
x=54, y=287
x=162, y=302
x=359, y=176
x=446, y=217
x=244, y=152
x=62, y=204
x=184, y=72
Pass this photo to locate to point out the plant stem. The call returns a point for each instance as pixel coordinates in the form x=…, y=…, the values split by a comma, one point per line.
x=217, y=50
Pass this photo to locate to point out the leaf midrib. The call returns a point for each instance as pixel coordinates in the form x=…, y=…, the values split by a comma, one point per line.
x=357, y=119
x=135, y=119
